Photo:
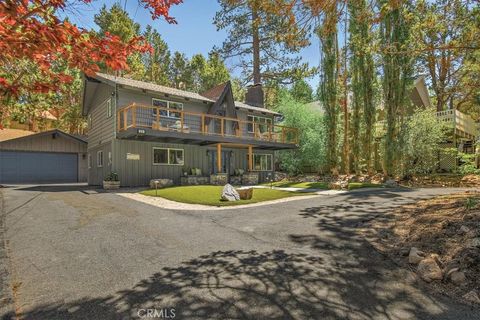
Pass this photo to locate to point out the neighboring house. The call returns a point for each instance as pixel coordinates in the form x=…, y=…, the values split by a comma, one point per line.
x=145, y=131
x=46, y=157
x=43, y=122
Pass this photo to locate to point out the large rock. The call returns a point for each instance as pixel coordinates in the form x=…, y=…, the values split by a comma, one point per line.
x=391, y=183
x=429, y=270
x=415, y=256
x=245, y=194
x=458, y=277
x=472, y=296
x=475, y=243
x=229, y=193
x=160, y=183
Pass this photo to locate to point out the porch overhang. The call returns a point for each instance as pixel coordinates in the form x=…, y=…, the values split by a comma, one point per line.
x=147, y=134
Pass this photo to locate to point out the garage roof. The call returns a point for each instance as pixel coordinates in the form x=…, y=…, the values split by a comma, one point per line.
x=14, y=135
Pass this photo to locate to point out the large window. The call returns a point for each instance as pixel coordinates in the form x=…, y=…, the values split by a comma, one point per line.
x=170, y=108
x=262, y=123
x=168, y=156
x=262, y=162
x=100, y=159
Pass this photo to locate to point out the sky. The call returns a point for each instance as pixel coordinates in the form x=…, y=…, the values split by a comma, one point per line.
x=194, y=33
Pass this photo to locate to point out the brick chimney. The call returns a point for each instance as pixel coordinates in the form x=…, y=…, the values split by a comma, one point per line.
x=254, y=96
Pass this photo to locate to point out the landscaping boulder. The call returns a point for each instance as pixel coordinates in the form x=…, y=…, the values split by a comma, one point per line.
x=472, y=296
x=162, y=183
x=245, y=194
x=229, y=193
x=391, y=183
x=475, y=243
x=463, y=230
x=458, y=277
x=415, y=256
x=429, y=270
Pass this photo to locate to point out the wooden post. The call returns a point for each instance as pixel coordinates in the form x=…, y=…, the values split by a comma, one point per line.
x=118, y=122
x=283, y=134
x=222, y=126
x=134, y=116
x=203, y=123
x=157, y=116
x=181, y=122
x=219, y=158
x=125, y=114
x=250, y=158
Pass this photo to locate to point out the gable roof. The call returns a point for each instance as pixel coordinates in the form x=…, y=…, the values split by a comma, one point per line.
x=149, y=86
x=49, y=132
x=10, y=134
x=210, y=96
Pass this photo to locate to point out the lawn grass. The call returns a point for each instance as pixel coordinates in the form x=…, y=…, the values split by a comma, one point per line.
x=210, y=195
x=358, y=185
x=304, y=185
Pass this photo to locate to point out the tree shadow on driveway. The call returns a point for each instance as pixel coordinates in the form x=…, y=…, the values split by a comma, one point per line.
x=332, y=274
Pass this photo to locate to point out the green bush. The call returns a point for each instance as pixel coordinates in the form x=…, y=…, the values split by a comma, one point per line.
x=311, y=150
x=421, y=139
x=112, y=176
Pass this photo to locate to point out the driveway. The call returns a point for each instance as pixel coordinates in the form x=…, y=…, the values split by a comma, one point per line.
x=76, y=253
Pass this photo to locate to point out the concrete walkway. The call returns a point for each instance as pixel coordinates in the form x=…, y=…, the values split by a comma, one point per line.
x=82, y=254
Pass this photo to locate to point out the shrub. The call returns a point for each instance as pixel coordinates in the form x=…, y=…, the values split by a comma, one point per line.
x=112, y=176
x=311, y=150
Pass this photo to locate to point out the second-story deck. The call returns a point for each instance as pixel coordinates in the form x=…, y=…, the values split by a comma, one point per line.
x=462, y=124
x=170, y=125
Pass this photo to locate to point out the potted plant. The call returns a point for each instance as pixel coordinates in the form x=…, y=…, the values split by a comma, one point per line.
x=111, y=181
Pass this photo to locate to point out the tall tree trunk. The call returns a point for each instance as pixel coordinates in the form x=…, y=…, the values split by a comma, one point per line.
x=397, y=71
x=346, y=146
x=329, y=86
x=256, y=45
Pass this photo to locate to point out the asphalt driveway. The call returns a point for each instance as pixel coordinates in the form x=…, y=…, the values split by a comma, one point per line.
x=76, y=253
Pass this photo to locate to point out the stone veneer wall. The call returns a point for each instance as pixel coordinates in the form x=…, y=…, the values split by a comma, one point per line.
x=219, y=179
x=236, y=180
x=249, y=179
x=194, y=180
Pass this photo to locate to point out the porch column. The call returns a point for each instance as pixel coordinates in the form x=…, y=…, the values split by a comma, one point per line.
x=250, y=158
x=219, y=158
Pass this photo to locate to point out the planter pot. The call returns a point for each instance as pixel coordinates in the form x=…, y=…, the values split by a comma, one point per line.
x=111, y=185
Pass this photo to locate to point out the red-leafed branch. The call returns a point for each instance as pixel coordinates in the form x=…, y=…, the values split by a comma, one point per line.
x=31, y=31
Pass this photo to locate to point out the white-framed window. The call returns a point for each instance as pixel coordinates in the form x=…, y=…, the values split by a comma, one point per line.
x=263, y=123
x=109, y=108
x=100, y=159
x=109, y=158
x=262, y=162
x=168, y=156
x=89, y=121
x=170, y=108
x=90, y=162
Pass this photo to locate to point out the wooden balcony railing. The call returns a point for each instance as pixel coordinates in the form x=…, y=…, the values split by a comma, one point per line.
x=464, y=125
x=164, y=119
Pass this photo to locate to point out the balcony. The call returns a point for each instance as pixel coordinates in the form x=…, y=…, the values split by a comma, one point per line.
x=200, y=128
x=464, y=125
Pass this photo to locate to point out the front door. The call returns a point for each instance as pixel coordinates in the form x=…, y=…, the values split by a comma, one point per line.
x=225, y=162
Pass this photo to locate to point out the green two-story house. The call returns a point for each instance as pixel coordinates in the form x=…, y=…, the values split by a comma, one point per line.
x=144, y=131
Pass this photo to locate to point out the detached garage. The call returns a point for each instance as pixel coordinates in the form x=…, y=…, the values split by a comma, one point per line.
x=46, y=157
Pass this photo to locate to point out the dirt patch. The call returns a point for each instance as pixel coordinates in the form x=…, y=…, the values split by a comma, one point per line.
x=443, y=180
x=447, y=226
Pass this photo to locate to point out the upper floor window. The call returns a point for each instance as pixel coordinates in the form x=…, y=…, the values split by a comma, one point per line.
x=109, y=108
x=168, y=108
x=262, y=123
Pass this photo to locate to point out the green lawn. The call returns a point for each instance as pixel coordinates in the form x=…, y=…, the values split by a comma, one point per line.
x=358, y=185
x=304, y=185
x=210, y=195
